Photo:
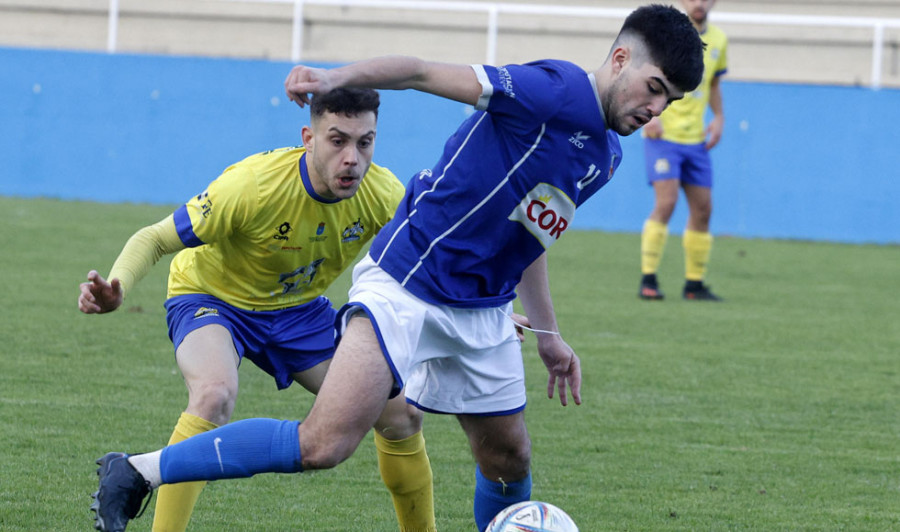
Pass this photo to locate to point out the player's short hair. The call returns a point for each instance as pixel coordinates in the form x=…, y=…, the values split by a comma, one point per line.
x=344, y=101
x=671, y=40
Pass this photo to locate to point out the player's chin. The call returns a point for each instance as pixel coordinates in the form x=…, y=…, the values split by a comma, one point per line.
x=626, y=129
x=347, y=190
x=626, y=125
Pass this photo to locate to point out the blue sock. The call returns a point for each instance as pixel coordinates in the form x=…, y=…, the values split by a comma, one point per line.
x=236, y=450
x=491, y=497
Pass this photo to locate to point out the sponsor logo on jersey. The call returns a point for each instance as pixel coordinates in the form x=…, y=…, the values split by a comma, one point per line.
x=353, y=231
x=282, y=231
x=578, y=138
x=546, y=212
x=300, y=278
x=203, y=312
x=319, y=236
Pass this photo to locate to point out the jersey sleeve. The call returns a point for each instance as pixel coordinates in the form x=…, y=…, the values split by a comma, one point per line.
x=523, y=95
x=143, y=250
x=722, y=62
x=217, y=212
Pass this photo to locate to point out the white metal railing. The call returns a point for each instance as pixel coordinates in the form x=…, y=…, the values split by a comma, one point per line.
x=493, y=11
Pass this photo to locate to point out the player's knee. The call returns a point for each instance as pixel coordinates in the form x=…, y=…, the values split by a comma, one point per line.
x=213, y=401
x=664, y=209
x=511, y=462
x=325, y=454
x=399, y=421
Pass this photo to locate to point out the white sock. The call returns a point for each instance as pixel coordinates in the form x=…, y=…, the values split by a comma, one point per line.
x=147, y=465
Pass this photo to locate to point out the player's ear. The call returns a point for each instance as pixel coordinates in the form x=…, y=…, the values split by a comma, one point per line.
x=621, y=56
x=306, y=134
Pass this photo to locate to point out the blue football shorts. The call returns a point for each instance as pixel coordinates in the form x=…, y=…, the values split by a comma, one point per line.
x=689, y=163
x=447, y=360
x=280, y=342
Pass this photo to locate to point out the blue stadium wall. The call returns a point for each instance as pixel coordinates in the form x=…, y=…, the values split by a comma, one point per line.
x=796, y=161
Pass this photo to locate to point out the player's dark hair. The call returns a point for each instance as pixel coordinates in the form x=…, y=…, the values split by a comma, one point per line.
x=347, y=102
x=672, y=42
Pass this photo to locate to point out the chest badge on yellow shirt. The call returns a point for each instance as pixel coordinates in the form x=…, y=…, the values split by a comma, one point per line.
x=353, y=231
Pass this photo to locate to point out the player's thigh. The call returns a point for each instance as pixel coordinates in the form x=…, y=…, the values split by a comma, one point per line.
x=666, y=190
x=353, y=394
x=312, y=378
x=500, y=444
x=208, y=354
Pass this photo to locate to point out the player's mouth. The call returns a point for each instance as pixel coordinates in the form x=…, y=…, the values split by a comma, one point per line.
x=347, y=181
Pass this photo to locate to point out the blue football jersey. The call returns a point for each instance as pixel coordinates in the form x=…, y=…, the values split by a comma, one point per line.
x=505, y=188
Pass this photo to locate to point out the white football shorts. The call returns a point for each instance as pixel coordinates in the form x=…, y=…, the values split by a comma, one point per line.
x=449, y=360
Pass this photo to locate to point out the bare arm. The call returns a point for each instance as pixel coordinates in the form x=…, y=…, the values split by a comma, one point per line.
x=452, y=81
x=561, y=361
x=717, y=124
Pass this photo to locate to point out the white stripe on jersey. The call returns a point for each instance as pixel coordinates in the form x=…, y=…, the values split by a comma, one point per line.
x=433, y=186
x=477, y=207
x=452, y=159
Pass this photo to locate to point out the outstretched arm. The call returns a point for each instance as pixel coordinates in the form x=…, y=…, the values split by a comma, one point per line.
x=561, y=361
x=141, y=252
x=452, y=81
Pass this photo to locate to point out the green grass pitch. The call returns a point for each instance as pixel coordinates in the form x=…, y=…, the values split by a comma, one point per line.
x=778, y=409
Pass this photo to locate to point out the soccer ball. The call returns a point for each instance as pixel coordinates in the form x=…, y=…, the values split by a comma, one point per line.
x=532, y=516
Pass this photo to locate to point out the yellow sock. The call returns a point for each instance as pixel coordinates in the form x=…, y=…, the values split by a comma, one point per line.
x=406, y=472
x=653, y=242
x=175, y=502
x=697, y=247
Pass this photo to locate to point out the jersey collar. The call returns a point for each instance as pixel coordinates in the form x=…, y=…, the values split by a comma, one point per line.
x=593, y=81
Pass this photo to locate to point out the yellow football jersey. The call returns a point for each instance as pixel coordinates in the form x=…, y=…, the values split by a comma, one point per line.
x=260, y=238
x=683, y=121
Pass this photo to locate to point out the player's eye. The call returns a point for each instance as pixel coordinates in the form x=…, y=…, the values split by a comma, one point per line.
x=653, y=89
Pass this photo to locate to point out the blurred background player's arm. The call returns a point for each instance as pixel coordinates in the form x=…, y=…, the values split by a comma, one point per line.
x=717, y=124
x=653, y=129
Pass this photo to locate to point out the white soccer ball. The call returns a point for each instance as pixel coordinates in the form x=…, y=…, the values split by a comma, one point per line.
x=532, y=516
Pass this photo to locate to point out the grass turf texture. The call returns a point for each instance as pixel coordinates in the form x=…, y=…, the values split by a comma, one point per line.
x=776, y=410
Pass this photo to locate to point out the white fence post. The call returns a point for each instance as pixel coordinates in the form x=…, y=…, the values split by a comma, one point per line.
x=877, y=55
x=297, y=32
x=491, y=55
x=112, y=27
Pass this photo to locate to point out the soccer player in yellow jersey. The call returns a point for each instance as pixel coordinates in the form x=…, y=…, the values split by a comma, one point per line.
x=677, y=155
x=256, y=250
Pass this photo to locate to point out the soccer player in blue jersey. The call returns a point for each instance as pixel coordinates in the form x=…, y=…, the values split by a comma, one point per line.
x=676, y=151
x=255, y=252
x=429, y=310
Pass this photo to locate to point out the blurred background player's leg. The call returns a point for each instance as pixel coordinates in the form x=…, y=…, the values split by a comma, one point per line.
x=655, y=234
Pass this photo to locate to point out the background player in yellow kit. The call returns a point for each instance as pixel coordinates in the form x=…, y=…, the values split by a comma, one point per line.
x=677, y=155
x=256, y=251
